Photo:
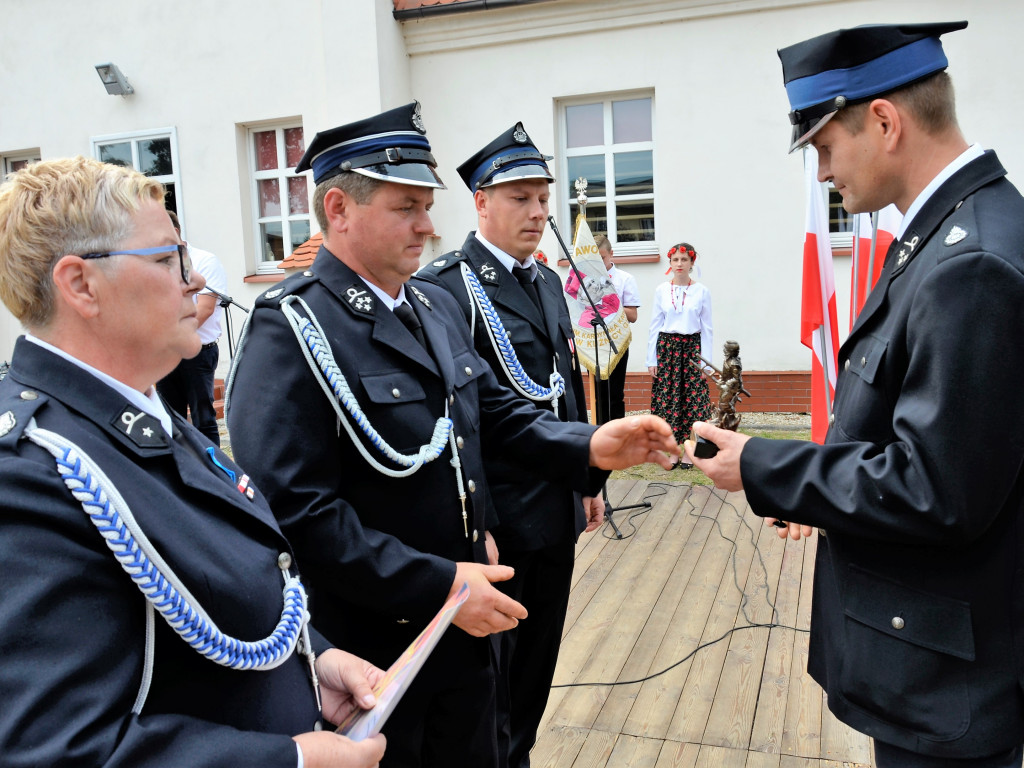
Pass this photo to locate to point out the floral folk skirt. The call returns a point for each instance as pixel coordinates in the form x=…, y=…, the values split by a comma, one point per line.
x=679, y=393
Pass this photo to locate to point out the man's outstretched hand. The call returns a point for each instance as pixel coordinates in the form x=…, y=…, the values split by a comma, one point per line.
x=633, y=440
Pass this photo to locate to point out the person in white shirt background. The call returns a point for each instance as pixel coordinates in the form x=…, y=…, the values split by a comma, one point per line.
x=189, y=387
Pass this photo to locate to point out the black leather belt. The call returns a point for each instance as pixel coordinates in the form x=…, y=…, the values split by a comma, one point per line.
x=211, y=344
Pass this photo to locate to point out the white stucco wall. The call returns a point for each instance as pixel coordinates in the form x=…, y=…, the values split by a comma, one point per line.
x=723, y=179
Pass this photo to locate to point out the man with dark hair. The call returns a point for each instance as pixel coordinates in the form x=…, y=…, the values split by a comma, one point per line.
x=539, y=519
x=359, y=400
x=917, y=621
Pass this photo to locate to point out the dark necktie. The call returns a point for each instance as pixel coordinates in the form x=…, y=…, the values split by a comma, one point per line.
x=525, y=278
x=407, y=315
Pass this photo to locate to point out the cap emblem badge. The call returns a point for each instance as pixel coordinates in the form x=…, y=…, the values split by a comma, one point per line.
x=417, y=119
x=519, y=135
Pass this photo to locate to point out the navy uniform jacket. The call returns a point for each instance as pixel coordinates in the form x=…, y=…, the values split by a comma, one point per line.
x=72, y=622
x=532, y=512
x=380, y=551
x=917, y=631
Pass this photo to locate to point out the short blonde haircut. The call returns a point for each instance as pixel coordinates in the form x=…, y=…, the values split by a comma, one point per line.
x=57, y=207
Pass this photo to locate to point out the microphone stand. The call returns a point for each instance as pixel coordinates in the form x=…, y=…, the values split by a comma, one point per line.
x=226, y=302
x=601, y=418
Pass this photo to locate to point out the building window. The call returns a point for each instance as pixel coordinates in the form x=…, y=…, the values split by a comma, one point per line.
x=154, y=153
x=611, y=143
x=15, y=161
x=840, y=223
x=280, y=197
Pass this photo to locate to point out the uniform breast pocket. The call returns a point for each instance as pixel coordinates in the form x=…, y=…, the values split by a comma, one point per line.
x=906, y=656
x=468, y=369
x=519, y=330
x=862, y=409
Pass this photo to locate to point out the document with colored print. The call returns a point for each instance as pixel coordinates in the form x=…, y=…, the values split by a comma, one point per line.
x=364, y=723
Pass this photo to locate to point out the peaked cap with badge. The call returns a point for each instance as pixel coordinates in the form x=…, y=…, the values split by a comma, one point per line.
x=391, y=146
x=510, y=157
x=918, y=491
x=849, y=66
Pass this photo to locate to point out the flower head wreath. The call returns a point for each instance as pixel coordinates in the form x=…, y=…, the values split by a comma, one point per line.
x=684, y=248
x=539, y=256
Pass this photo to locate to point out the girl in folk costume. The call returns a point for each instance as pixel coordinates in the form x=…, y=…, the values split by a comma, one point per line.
x=680, y=331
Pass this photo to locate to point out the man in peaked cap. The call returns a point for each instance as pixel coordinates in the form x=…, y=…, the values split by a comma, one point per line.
x=917, y=626
x=540, y=520
x=359, y=400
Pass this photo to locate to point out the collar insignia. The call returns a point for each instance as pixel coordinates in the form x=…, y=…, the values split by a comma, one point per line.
x=360, y=299
x=7, y=423
x=141, y=428
x=956, y=234
x=488, y=273
x=423, y=299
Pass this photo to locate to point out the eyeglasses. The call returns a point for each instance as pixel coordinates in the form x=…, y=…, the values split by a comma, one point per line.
x=184, y=260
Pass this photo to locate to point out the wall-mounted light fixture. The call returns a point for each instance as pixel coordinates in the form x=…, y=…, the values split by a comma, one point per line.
x=114, y=80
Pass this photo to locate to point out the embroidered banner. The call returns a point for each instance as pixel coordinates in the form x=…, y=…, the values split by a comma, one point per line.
x=598, y=284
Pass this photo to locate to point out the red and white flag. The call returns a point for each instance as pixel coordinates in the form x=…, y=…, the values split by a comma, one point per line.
x=818, y=323
x=868, y=259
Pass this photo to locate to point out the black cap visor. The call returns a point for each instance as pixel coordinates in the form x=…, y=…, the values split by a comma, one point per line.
x=413, y=174
x=805, y=130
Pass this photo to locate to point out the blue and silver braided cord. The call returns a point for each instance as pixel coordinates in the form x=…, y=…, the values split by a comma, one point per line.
x=109, y=512
x=503, y=348
x=321, y=359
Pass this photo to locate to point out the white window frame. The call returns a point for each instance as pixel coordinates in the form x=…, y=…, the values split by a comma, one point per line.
x=610, y=199
x=133, y=138
x=283, y=172
x=9, y=158
x=839, y=240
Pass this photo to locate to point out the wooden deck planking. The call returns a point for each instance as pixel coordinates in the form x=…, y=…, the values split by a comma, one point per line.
x=642, y=603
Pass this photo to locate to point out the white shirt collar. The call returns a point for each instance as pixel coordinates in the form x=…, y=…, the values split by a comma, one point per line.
x=507, y=261
x=973, y=152
x=149, y=402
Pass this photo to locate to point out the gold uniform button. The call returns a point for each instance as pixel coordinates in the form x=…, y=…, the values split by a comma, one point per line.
x=284, y=561
x=898, y=623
